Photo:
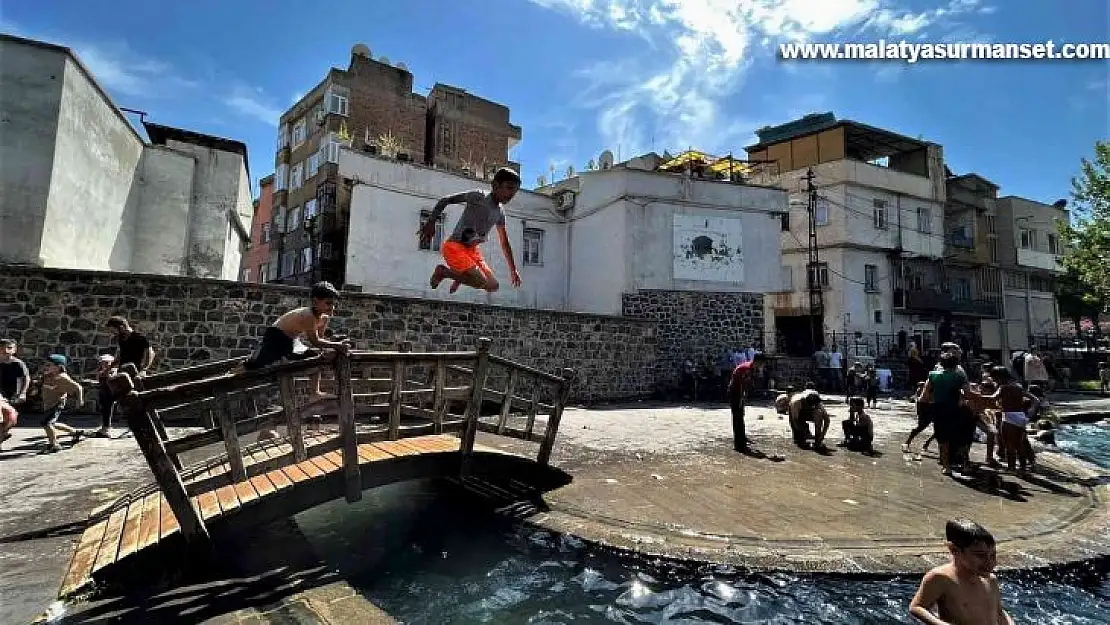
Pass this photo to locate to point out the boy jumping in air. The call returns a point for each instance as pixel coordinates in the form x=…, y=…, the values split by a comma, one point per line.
x=482, y=211
x=310, y=322
x=57, y=386
x=964, y=591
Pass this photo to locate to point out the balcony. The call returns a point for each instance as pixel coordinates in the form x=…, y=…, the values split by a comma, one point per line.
x=938, y=301
x=1039, y=260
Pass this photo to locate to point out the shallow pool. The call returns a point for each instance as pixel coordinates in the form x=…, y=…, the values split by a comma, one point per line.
x=425, y=559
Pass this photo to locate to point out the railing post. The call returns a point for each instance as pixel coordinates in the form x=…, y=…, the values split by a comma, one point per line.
x=165, y=474
x=474, y=407
x=231, y=439
x=439, y=399
x=507, y=402
x=348, y=438
x=292, y=417
x=397, y=385
x=561, y=397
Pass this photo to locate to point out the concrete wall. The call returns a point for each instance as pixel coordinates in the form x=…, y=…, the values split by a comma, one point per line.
x=191, y=320
x=382, y=251
x=31, y=80
x=165, y=194
x=90, y=218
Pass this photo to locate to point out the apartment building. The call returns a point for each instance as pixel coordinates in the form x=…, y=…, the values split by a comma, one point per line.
x=370, y=107
x=1028, y=251
x=256, y=261
x=880, y=211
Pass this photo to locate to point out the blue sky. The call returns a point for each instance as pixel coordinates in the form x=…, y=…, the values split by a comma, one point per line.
x=581, y=76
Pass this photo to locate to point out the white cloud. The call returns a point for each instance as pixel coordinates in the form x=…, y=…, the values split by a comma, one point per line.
x=675, y=93
x=253, y=103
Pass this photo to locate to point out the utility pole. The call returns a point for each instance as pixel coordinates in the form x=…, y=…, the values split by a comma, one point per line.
x=816, y=295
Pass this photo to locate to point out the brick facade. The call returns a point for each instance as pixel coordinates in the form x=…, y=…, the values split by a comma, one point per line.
x=258, y=253
x=193, y=320
x=697, y=325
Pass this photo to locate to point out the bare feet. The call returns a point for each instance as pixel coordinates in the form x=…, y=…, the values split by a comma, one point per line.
x=438, y=276
x=455, y=286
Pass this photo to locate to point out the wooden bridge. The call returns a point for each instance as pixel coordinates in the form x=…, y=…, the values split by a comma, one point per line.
x=398, y=417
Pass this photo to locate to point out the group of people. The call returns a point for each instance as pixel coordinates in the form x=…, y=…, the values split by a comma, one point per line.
x=58, y=391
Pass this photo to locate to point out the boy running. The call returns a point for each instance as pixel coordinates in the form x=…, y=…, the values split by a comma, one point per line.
x=57, y=386
x=964, y=591
x=309, y=322
x=482, y=211
x=14, y=380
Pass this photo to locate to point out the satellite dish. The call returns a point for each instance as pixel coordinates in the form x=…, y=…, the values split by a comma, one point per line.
x=383, y=59
x=360, y=49
x=605, y=161
x=403, y=66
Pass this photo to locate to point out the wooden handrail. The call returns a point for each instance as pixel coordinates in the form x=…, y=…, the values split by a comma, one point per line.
x=543, y=375
x=410, y=357
x=214, y=386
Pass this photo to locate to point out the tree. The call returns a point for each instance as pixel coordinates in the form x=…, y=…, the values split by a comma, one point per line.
x=1074, y=299
x=1087, y=238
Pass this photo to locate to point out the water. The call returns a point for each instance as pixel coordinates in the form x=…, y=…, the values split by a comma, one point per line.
x=424, y=559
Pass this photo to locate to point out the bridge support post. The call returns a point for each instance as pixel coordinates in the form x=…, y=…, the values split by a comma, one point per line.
x=292, y=416
x=352, y=477
x=474, y=407
x=561, y=396
x=165, y=473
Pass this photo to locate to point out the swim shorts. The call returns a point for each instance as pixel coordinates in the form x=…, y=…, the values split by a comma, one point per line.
x=462, y=258
x=1015, y=418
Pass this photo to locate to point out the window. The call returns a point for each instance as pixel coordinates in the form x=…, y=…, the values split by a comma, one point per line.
x=961, y=289
x=821, y=213
x=878, y=316
x=785, y=226
x=266, y=232
x=437, y=240
x=446, y=140
x=313, y=164
x=990, y=225
x=246, y=275
x=1014, y=280
x=283, y=137
x=961, y=237
x=296, y=176
x=1028, y=239
x=281, y=177
x=264, y=272
x=820, y=273
x=294, y=220
x=924, y=220
x=533, y=246
x=279, y=220
x=306, y=259
x=299, y=133
x=871, y=277
x=329, y=149
x=325, y=251
x=287, y=260
x=1053, y=244
x=336, y=100
x=879, y=213
x=309, y=211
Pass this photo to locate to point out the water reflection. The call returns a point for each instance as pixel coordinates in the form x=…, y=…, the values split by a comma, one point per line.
x=422, y=557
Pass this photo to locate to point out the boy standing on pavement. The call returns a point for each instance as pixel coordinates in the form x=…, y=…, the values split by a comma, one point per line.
x=14, y=380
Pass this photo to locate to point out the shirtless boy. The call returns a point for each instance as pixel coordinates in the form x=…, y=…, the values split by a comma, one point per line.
x=964, y=591
x=57, y=387
x=805, y=408
x=482, y=211
x=308, y=322
x=1012, y=399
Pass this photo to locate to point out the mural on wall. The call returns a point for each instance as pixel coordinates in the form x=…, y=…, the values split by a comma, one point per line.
x=708, y=249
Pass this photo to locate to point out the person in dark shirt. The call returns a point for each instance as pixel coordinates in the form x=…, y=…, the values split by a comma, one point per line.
x=132, y=349
x=14, y=380
x=738, y=385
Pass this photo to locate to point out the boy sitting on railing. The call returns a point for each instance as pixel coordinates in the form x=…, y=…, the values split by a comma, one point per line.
x=307, y=322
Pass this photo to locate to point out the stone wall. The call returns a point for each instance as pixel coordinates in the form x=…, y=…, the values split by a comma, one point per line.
x=192, y=320
x=695, y=324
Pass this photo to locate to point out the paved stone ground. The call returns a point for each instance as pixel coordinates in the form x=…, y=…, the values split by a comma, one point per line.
x=664, y=481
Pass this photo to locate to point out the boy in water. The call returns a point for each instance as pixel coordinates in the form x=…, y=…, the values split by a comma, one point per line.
x=461, y=252
x=309, y=322
x=964, y=591
x=57, y=386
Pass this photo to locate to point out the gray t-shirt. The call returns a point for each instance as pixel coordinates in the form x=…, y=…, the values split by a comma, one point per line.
x=480, y=214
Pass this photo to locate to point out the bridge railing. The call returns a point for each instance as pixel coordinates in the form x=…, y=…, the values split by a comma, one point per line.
x=377, y=396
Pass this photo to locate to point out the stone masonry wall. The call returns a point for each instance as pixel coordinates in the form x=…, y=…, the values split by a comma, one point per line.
x=695, y=324
x=193, y=320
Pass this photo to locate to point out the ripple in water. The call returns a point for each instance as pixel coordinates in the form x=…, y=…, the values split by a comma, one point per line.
x=427, y=561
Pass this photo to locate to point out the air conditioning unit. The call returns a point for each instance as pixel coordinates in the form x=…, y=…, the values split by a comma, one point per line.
x=565, y=200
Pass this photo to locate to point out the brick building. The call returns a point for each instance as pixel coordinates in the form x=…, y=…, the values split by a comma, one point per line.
x=371, y=107
x=256, y=262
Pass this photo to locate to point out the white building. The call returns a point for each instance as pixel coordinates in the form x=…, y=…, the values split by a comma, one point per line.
x=881, y=204
x=581, y=246
x=81, y=189
x=1029, y=249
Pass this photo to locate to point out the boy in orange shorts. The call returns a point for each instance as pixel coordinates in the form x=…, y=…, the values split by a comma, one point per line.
x=482, y=211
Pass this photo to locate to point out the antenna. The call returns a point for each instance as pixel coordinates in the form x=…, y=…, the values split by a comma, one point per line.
x=605, y=161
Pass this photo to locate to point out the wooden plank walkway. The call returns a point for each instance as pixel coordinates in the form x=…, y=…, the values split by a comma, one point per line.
x=148, y=520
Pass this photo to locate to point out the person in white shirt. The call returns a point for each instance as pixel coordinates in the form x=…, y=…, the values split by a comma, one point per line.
x=1035, y=371
x=837, y=368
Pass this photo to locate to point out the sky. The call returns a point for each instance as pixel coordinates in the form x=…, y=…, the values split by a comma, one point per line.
x=630, y=76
